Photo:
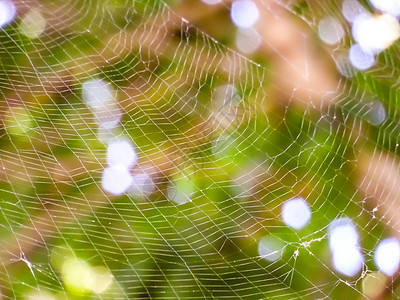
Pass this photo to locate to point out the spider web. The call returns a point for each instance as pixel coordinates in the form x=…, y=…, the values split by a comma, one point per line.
x=222, y=141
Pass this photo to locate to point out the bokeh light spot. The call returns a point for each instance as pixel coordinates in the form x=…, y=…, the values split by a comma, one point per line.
x=33, y=24
x=351, y=9
x=387, y=256
x=142, y=185
x=82, y=278
x=271, y=248
x=244, y=13
x=376, y=114
x=375, y=33
x=344, y=244
x=296, y=213
x=374, y=284
x=116, y=180
x=342, y=234
x=387, y=6
x=97, y=93
x=348, y=261
x=121, y=153
x=360, y=59
x=248, y=40
x=330, y=30
x=7, y=12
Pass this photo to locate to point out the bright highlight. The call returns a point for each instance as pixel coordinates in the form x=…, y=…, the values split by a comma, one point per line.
x=345, y=248
x=387, y=256
x=7, y=12
x=360, y=59
x=121, y=153
x=244, y=13
x=375, y=33
x=116, y=180
x=296, y=213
